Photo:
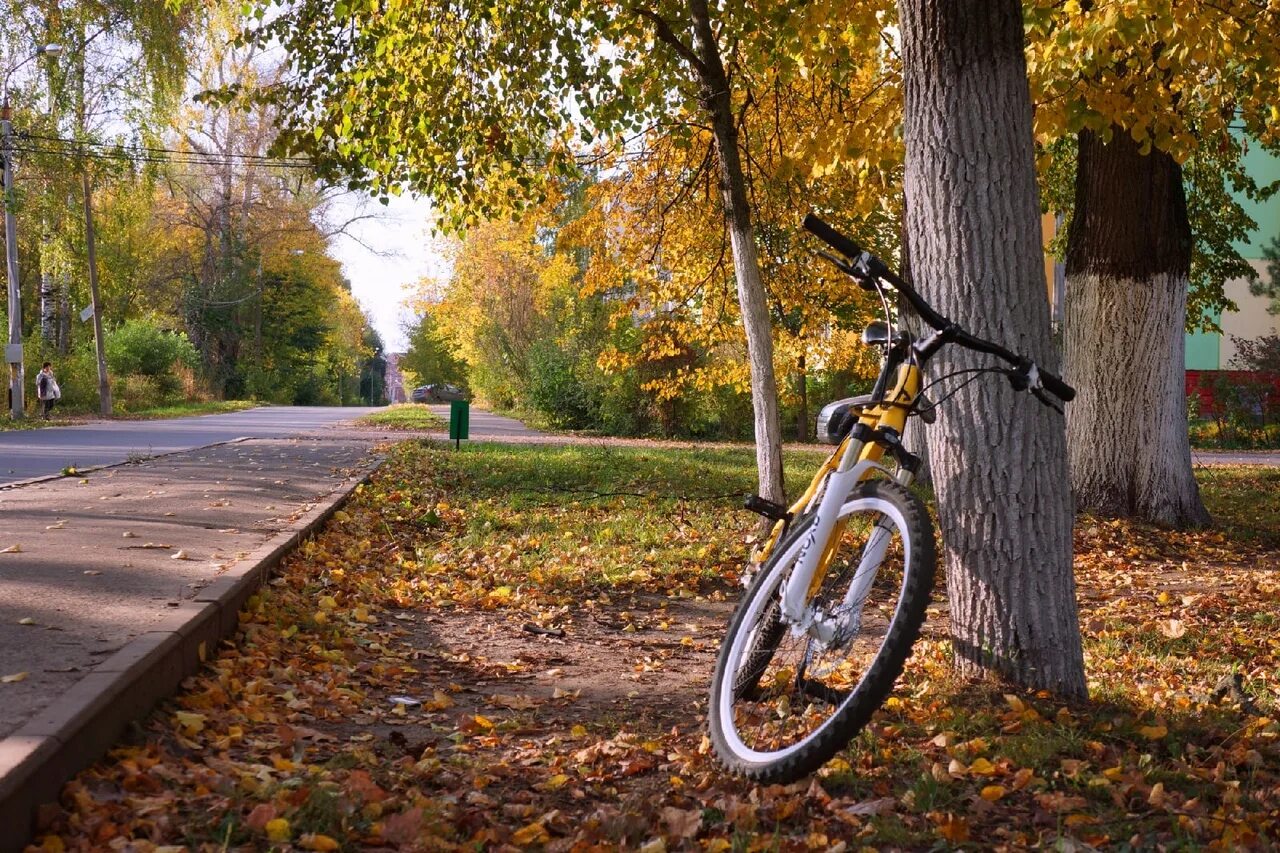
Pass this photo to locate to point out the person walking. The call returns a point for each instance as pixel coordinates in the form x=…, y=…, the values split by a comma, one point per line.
x=47, y=389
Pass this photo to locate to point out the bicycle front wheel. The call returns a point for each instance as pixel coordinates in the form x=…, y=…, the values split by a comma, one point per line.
x=785, y=697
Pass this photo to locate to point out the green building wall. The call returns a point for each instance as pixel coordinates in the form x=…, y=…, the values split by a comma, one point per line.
x=1204, y=350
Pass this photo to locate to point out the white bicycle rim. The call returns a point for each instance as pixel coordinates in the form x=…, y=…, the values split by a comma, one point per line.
x=724, y=707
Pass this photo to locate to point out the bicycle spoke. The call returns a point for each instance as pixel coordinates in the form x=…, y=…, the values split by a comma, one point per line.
x=788, y=685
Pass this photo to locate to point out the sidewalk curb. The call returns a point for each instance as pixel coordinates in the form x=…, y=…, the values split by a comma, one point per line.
x=64, y=738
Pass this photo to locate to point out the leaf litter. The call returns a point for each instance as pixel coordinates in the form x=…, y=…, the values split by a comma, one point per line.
x=422, y=588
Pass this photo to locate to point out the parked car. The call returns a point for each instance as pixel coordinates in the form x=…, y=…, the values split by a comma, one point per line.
x=440, y=392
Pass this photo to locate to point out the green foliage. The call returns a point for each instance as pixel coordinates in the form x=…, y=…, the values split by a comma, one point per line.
x=1270, y=285
x=1216, y=180
x=430, y=357
x=555, y=391
x=144, y=347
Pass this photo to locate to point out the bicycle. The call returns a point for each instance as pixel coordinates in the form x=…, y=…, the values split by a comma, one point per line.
x=842, y=582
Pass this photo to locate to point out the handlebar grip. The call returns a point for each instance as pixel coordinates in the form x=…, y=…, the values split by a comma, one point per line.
x=1057, y=387
x=832, y=237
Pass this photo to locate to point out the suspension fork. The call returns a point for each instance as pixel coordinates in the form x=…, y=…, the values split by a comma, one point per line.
x=873, y=554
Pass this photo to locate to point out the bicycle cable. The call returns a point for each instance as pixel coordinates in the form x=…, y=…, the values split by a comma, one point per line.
x=976, y=372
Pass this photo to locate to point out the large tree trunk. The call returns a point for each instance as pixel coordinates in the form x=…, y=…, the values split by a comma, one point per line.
x=746, y=262
x=999, y=459
x=1128, y=265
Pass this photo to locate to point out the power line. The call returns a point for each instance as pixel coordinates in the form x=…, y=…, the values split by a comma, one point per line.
x=167, y=151
x=142, y=154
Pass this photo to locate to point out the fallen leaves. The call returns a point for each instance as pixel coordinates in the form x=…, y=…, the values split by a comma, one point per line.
x=351, y=713
x=14, y=678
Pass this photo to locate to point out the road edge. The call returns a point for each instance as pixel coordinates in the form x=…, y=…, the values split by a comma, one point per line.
x=64, y=738
x=46, y=478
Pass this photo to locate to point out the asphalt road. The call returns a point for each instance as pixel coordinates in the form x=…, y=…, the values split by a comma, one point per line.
x=36, y=453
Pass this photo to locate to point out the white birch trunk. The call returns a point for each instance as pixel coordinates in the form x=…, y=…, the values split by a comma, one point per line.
x=746, y=263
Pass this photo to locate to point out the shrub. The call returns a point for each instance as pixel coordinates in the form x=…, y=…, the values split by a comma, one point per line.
x=144, y=348
x=556, y=392
x=1260, y=354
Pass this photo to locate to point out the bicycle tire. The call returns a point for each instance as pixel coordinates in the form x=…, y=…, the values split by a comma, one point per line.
x=765, y=643
x=731, y=706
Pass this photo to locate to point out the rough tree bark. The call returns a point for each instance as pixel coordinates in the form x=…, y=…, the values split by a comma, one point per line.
x=1128, y=265
x=999, y=461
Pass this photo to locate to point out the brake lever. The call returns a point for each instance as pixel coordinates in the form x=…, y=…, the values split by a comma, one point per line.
x=1026, y=377
x=1048, y=400
x=854, y=272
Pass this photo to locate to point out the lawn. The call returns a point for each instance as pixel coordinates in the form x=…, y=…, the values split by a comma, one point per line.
x=177, y=410
x=405, y=416
x=511, y=645
x=184, y=410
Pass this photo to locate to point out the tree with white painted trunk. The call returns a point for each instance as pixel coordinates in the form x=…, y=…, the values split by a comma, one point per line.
x=1128, y=266
x=999, y=464
x=1162, y=101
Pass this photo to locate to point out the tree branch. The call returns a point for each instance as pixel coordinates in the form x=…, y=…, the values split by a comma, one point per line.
x=667, y=36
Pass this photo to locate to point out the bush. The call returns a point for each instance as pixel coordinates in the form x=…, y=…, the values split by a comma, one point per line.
x=135, y=392
x=1260, y=354
x=556, y=392
x=145, y=348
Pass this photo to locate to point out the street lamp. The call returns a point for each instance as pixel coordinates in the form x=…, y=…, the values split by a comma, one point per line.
x=13, y=350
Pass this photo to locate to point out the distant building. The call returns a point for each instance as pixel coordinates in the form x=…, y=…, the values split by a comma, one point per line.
x=1208, y=351
x=1210, y=356
x=395, y=380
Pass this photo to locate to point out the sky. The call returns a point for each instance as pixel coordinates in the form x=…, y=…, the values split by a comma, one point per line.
x=404, y=252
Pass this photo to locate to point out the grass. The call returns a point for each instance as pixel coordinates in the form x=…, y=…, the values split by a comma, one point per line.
x=405, y=416
x=184, y=410
x=176, y=410
x=1242, y=500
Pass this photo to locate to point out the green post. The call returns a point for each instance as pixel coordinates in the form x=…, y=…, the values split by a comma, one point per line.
x=459, y=421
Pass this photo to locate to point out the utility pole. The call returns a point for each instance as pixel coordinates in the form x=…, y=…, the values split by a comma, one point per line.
x=13, y=351
x=90, y=245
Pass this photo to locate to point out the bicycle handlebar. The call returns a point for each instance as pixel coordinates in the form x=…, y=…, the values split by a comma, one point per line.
x=868, y=265
x=1057, y=387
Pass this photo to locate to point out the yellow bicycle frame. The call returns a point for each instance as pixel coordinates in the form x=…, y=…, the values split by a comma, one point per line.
x=891, y=413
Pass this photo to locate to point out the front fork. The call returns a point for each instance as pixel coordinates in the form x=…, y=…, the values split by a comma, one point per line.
x=826, y=628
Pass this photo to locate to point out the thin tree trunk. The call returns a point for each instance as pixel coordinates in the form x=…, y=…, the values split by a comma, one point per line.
x=746, y=263
x=91, y=258
x=64, y=313
x=998, y=459
x=1128, y=264
x=48, y=292
x=802, y=393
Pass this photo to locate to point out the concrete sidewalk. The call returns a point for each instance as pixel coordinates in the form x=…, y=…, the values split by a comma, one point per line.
x=115, y=584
